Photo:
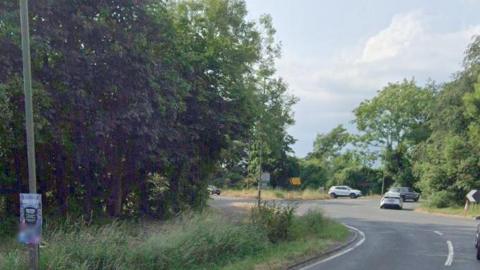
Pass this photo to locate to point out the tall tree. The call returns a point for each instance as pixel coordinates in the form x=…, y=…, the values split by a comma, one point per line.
x=395, y=120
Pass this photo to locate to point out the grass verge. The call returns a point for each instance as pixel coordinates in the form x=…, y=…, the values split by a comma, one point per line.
x=458, y=211
x=277, y=194
x=195, y=241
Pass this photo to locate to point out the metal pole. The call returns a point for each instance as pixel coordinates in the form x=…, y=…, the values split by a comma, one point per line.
x=260, y=175
x=261, y=148
x=27, y=87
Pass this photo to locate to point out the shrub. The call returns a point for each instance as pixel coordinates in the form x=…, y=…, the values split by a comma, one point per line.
x=441, y=199
x=279, y=194
x=275, y=219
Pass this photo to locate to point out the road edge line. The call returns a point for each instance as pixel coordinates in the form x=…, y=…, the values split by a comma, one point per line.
x=358, y=239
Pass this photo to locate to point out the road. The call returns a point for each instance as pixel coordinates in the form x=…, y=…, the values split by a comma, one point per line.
x=394, y=239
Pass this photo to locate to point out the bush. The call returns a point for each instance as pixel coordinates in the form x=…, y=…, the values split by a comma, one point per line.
x=275, y=219
x=441, y=199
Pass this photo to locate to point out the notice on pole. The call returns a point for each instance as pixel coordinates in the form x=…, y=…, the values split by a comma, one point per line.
x=265, y=177
x=30, y=218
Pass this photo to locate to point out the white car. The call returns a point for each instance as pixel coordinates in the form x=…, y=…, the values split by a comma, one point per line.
x=391, y=200
x=344, y=191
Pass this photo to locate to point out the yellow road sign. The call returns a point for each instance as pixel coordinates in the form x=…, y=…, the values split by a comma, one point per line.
x=295, y=181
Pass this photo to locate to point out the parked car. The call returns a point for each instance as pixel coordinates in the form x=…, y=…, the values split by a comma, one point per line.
x=406, y=193
x=214, y=190
x=391, y=200
x=344, y=191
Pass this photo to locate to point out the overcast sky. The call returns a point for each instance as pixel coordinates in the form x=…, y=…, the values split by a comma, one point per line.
x=337, y=53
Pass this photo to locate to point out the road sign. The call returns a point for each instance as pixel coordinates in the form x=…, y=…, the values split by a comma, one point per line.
x=474, y=196
x=30, y=218
x=265, y=177
x=295, y=181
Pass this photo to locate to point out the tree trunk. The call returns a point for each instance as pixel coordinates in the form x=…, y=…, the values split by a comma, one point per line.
x=114, y=206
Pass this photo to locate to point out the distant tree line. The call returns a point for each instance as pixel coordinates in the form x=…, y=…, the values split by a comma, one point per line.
x=423, y=137
x=138, y=103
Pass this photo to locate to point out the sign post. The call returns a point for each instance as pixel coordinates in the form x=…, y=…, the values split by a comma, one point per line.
x=472, y=197
x=27, y=87
x=264, y=180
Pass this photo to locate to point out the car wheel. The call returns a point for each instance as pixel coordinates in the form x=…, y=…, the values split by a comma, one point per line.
x=333, y=195
x=353, y=196
x=403, y=198
x=416, y=200
x=478, y=253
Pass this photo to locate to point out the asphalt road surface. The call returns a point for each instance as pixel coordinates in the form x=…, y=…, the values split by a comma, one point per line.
x=393, y=239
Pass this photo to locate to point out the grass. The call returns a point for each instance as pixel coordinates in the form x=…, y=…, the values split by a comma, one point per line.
x=473, y=211
x=194, y=241
x=287, y=253
x=278, y=194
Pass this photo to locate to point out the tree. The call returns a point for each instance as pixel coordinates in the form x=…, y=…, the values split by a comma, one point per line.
x=328, y=146
x=136, y=102
x=396, y=120
x=447, y=163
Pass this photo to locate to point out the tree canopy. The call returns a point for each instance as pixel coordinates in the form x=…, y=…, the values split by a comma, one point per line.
x=136, y=101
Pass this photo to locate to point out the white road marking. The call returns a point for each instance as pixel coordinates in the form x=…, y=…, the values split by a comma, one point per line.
x=343, y=252
x=439, y=233
x=449, y=260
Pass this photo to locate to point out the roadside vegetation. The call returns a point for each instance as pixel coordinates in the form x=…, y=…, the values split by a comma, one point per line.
x=138, y=103
x=273, y=194
x=451, y=210
x=421, y=136
x=272, y=234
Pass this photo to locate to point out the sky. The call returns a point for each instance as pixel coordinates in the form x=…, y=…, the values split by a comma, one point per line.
x=337, y=53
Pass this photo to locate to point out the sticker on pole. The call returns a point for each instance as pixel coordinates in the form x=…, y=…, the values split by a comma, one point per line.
x=30, y=218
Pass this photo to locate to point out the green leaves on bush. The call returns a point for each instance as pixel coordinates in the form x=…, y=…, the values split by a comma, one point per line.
x=275, y=219
x=441, y=199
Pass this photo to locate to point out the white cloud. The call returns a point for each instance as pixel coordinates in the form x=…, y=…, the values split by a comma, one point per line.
x=408, y=47
x=388, y=43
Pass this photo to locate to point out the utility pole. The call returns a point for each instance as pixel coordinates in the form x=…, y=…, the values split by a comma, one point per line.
x=260, y=171
x=27, y=87
x=261, y=137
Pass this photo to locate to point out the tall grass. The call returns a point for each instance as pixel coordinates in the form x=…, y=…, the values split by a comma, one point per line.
x=194, y=241
x=272, y=194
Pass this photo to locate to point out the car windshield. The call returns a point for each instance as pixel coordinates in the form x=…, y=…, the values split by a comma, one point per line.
x=395, y=189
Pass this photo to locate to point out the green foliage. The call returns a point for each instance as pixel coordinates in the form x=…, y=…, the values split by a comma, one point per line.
x=447, y=164
x=192, y=241
x=441, y=199
x=275, y=219
x=338, y=159
x=137, y=103
x=397, y=120
x=312, y=173
x=329, y=145
x=398, y=114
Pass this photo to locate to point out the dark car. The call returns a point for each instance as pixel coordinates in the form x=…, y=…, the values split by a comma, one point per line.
x=406, y=193
x=214, y=190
